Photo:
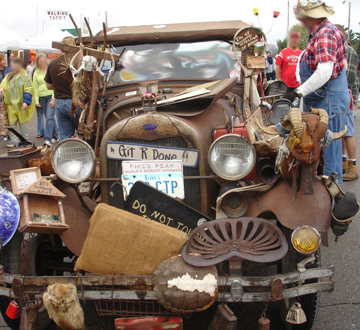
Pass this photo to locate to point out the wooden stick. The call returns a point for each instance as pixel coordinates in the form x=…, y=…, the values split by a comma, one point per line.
x=90, y=32
x=99, y=54
x=105, y=37
x=94, y=94
x=76, y=28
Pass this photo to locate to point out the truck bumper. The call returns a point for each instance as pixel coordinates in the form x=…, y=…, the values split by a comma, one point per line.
x=230, y=289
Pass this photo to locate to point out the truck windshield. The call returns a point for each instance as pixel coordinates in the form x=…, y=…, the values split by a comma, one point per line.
x=178, y=61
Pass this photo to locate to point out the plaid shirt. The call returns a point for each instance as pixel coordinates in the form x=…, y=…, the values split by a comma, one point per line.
x=352, y=72
x=326, y=43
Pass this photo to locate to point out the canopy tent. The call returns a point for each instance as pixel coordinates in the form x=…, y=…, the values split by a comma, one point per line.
x=44, y=40
x=9, y=40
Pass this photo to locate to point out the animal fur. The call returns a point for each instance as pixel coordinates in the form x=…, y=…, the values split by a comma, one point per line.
x=63, y=306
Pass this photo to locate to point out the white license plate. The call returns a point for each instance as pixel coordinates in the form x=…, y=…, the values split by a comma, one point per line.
x=166, y=176
x=143, y=152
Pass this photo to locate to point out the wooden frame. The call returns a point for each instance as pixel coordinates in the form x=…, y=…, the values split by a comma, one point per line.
x=21, y=179
x=35, y=204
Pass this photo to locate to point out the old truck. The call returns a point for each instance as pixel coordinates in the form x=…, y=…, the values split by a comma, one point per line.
x=179, y=110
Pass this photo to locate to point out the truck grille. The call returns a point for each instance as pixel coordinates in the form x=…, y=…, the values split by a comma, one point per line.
x=192, y=187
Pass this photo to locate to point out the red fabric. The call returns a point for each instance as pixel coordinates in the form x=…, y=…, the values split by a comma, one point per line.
x=287, y=60
x=326, y=44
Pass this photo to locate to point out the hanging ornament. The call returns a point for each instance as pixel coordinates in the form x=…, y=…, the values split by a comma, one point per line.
x=296, y=314
x=263, y=322
x=12, y=311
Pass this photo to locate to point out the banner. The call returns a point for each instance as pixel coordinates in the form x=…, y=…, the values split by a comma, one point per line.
x=56, y=15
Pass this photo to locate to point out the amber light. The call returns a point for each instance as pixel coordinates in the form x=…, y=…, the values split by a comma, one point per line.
x=306, y=239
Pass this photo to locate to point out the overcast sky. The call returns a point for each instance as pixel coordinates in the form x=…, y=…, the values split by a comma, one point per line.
x=21, y=16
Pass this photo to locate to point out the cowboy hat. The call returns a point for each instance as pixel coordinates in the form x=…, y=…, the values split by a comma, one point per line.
x=313, y=9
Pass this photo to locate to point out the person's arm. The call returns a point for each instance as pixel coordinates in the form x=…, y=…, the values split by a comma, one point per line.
x=28, y=91
x=50, y=86
x=318, y=79
x=48, y=80
x=277, y=72
x=36, y=89
x=279, y=63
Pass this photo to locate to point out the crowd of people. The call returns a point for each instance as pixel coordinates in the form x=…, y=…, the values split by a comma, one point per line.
x=42, y=86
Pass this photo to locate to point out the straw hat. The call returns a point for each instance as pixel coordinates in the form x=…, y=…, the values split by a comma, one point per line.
x=313, y=9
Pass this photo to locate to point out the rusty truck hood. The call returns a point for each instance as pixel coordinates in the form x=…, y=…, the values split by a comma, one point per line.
x=182, y=32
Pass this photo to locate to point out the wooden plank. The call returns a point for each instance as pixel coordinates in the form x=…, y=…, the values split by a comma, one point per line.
x=99, y=54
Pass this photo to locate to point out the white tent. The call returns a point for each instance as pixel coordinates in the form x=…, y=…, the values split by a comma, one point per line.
x=9, y=40
x=44, y=40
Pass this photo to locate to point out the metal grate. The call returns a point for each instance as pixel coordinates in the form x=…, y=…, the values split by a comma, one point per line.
x=71, y=153
x=133, y=308
x=192, y=187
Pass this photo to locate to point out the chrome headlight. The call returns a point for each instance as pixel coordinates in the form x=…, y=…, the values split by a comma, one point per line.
x=73, y=160
x=306, y=239
x=232, y=157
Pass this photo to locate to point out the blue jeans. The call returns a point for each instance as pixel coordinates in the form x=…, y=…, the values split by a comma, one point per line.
x=51, y=127
x=67, y=122
x=40, y=121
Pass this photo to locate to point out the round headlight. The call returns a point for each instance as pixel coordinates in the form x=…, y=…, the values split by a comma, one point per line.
x=306, y=239
x=232, y=157
x=73, y=160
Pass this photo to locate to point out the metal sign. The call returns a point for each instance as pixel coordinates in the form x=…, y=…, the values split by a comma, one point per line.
x=56, y=15
x=166, y=176
x=152, y=204
x=135, y=151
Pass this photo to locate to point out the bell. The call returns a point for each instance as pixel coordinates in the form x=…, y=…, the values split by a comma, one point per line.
x=263, y=323
x=296, y=314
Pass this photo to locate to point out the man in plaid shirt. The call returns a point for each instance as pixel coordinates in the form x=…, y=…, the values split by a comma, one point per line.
x=323, y=74
x=349, y=143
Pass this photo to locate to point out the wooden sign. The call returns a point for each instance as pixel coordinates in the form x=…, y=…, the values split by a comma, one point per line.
x=247, y=38
x=23, y=178
x=43, y=187
x=152, y=204
x=255, y=62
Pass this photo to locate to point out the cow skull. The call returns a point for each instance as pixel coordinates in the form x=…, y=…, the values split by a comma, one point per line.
x=89, y=64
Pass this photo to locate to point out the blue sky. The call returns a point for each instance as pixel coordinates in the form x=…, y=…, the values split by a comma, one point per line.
x=20, y=16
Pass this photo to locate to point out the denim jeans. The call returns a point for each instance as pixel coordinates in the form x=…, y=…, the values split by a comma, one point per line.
x=67, y=122
x=51, y=127
x=334, y=97
x=40, y=121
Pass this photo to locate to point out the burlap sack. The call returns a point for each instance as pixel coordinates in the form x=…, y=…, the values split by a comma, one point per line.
x=119, y=242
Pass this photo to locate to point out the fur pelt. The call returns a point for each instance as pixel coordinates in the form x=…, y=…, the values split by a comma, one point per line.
x=63, y=306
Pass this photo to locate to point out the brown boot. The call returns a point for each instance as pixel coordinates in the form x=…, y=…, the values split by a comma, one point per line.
x=345, y=166
x=351, y=173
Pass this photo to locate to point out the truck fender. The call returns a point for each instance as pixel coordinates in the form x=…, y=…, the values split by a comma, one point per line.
x=313, y=210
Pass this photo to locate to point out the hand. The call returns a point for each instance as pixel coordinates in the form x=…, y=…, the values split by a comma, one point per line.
x=38, y=105
x=1, y=90
x=52, y=103
x=24, y=106
x=291, y=96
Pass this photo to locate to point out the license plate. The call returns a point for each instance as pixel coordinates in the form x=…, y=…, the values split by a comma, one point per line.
x=143, y=152
x=149, y=323
x=166, y=176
